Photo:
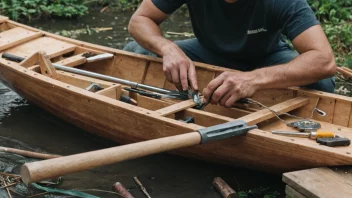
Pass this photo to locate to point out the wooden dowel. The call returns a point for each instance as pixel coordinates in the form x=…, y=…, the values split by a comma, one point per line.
x=119, y=188
x=345, y=73
x=28, y=153
x=225, y=190
x=142, y=187
x=52, y=168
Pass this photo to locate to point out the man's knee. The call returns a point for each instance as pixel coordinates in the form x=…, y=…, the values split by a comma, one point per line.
x=326, y=85
x=136, y=48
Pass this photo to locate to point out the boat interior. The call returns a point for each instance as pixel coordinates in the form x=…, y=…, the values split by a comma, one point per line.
x=26, y=42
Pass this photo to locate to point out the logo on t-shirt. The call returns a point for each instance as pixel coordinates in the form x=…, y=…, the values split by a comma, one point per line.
x=256, y=31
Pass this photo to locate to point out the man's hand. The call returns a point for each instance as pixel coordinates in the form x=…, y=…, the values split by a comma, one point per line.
x=178, y=68
x=229, y=87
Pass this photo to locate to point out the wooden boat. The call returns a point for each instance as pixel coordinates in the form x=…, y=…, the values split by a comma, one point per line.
x=102, y=112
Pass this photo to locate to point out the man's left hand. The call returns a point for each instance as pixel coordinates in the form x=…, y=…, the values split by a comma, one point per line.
x=229, y=87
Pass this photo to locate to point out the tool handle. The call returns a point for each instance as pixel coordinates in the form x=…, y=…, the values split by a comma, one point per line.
x=42, y=170
x=321, y=134
x=12, y=57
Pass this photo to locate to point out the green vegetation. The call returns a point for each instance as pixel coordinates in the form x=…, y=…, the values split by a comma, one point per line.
x=336, y=19
x=18, y=9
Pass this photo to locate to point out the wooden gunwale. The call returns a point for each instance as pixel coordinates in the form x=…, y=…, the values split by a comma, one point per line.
x=252, y=146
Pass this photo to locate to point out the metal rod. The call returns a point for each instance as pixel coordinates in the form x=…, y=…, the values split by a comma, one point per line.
x=292, y=134
x=94, y=75
x=110, y=78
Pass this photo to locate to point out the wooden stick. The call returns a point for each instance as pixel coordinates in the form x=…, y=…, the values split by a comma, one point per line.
x=141, y=186
x=28, y=153
x=119, y=188
x=225, y=190
x=52, y=168
x=345, y=73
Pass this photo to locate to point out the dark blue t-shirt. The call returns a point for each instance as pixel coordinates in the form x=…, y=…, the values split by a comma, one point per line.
x=246, y=28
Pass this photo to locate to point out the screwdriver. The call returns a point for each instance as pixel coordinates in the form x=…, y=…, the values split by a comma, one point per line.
x=311, y=135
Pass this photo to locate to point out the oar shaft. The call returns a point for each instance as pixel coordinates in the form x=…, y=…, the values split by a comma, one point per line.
x=47, y=169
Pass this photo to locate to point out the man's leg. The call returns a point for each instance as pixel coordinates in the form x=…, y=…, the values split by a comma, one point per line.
x=193, y=49
x=136, y=48
x=286, y=55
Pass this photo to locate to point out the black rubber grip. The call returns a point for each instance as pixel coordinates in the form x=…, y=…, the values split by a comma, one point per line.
x=12, y=57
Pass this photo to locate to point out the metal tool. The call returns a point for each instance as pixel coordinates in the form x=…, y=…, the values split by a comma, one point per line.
x=173, y=94
x=93, y=87
x=305, y=125
x=15, y=58
x=336, y=141
x=311, y=135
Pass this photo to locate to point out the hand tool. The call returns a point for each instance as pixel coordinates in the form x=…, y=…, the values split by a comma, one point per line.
x=311, y=135
x=332, y=142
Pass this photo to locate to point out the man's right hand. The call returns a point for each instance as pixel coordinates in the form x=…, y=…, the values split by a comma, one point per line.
x=178, y=68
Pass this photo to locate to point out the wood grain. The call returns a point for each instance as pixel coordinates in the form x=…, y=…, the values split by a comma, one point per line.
x=319, y=183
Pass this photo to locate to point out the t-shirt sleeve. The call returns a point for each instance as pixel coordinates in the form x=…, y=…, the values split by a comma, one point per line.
x=168, y=6
x=294, y=17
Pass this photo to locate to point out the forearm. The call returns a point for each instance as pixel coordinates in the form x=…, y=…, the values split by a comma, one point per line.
x=307, y=68
x=148, y=34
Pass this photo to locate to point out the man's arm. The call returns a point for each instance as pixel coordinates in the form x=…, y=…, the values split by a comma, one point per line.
x=315, y=62
x=144, y=28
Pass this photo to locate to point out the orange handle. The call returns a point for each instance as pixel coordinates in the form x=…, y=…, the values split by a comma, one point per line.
x=325, y=134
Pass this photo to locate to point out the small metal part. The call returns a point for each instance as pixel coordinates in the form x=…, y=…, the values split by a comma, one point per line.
x=144, y=93
x=125, y=99
x=291, y=134
x=99, y=57
x=226, y=130
x=188, y=120
x=332, y=142
x=305, y=125
x=320, y=112
x=93, y=87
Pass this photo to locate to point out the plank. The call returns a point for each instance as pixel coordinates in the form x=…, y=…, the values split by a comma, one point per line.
x=342, y=113
x=319, y=183
x=113, y=92
x=16, y=36
x=3, y=19
x=273, y=96
x=204, y=77
x=81, y=81
x=292, y=193
x=176, y=107
x=30, y=61
x=52, y=47
x=155, y=75
x=350, y=120
x=128, y=68
x=46, y=67
x=73, y=61
x=265, y=114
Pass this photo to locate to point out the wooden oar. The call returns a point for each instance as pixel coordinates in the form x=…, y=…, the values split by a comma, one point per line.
x=51, y=168
x=47, y=169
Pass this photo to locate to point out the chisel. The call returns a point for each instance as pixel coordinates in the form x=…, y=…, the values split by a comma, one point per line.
x=311, y=135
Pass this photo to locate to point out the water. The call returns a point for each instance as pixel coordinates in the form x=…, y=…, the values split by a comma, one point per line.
x=28, y=127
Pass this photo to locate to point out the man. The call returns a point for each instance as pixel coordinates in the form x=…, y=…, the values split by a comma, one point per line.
x=245, y=35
